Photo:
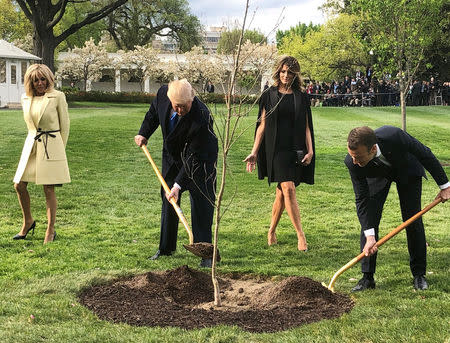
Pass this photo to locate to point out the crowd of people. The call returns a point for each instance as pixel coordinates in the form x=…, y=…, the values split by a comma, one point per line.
x=370, y=91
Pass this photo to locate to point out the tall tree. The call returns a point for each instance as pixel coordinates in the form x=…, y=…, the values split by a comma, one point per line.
x=330, y=53
x=137, y=23
x=229, y=40
x=44, y=15
x=437, y=63
x=75, y=12
x=13, y=23
x=400, y=32
x=300, y=30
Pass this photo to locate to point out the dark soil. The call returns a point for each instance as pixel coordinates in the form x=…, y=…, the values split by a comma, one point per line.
x=184, y=297
x=204, y=250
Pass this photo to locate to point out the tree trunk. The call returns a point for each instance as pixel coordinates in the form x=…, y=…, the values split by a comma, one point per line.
x=48, y=54
x=217, y=300
x=44, y=47
x=403, y=109
x=37, y=44
x=403, y=102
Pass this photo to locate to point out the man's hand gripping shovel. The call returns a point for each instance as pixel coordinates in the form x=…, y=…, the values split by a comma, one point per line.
x=204, y=250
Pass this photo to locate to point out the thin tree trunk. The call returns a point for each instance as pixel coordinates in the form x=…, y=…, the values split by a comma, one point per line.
x=403, y=102
x=403, y=109
x=226, y=144
x=217, y=300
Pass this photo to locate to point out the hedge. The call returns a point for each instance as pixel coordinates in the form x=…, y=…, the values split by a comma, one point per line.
x=140, y=97
x=99, y=96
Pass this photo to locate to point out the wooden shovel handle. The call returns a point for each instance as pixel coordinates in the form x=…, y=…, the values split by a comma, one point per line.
x=383, y=240
x=167, y=189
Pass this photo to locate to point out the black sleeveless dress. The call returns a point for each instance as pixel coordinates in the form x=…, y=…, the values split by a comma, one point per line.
x=287, y=117
x=284, y=167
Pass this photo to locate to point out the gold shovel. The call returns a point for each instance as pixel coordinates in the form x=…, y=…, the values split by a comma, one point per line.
x=203, y=249
x=382, y=241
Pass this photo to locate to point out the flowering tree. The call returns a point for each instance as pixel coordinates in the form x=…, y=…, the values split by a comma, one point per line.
x=85, y=63
x=141, y=63
x=255, y=59
x=164, y=72
x=199, y=68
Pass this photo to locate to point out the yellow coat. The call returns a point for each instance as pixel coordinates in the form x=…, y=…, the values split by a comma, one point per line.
x=51, y=169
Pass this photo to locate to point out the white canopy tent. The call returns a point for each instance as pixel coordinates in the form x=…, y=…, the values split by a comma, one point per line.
x=13, y=64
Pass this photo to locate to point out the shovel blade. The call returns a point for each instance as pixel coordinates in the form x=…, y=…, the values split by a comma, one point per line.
x=202, y=249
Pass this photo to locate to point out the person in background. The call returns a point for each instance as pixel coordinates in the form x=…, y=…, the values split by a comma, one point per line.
x=284, y=144
x=43, y=160
x=210, y=87
x=375, y=159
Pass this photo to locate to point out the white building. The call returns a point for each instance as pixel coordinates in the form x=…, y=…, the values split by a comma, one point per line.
x=113, y=80
x=13, y=65
x=211, y=38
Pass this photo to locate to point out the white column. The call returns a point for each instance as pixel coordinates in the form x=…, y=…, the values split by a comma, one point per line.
x=117, y=85
x=88, y=85
x=147, y=85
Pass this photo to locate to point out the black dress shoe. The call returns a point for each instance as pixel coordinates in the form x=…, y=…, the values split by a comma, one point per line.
x=26, y=233
x=420, y=283
x=159, y=253
x=363, y=284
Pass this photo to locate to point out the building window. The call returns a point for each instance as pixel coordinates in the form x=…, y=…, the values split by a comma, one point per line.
x=24, y=69
x=2, y=71
x=13, y=74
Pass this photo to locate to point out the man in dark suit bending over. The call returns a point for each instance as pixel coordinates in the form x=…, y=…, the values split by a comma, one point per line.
x=374, y=160
x=189, y=158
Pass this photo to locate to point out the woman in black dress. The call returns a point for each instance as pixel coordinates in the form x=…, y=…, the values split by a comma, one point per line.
x=284, y=144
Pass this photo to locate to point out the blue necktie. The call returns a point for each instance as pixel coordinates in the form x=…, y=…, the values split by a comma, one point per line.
x=173, y=121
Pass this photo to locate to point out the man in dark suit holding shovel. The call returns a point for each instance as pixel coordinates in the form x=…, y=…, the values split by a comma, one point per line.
x=189, y=158
x=374, y=160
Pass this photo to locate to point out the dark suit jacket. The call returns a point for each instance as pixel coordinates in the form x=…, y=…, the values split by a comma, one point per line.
x=267, y=148
x=407, y=156
x=191, y=144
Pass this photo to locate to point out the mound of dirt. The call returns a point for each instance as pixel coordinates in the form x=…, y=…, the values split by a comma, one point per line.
x=184, y=297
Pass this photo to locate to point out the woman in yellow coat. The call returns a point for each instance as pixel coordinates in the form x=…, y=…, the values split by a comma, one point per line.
x=43, y=160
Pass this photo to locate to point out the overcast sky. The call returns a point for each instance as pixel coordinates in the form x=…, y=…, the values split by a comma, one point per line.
x=265, y=13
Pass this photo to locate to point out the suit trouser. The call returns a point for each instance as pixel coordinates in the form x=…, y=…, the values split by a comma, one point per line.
x=410, y=203
x=202, y=197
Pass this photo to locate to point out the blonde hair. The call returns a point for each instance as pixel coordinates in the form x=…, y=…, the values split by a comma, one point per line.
x=293, y=67
x=180, y=92
x=36, y=71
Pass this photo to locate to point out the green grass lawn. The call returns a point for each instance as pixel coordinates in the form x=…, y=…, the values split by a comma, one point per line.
x=108, y=225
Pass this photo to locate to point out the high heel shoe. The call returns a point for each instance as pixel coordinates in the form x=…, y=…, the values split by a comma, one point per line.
x=26, y=233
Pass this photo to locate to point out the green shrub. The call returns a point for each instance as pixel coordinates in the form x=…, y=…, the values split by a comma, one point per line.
x=73, y=94
x=218, y=98
x=99, y=96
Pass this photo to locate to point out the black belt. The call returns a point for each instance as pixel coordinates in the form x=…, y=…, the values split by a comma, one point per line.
x=46, y=134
